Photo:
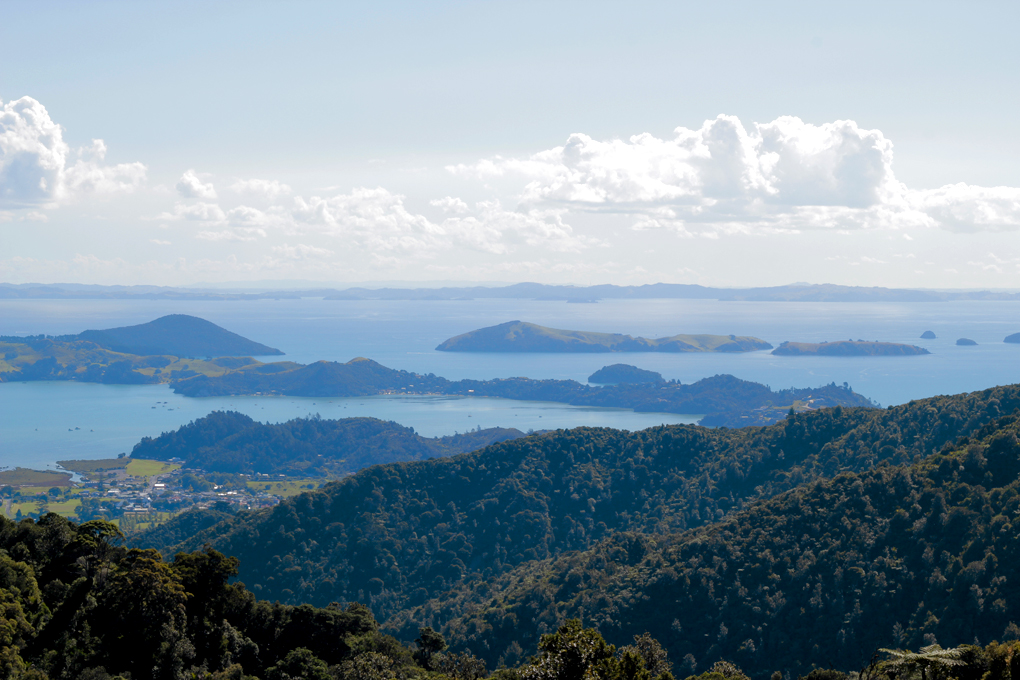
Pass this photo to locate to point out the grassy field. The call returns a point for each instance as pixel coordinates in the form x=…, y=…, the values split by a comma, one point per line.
x=287, y=488
x=84, y=467
x=148, y=468
x=25, y=477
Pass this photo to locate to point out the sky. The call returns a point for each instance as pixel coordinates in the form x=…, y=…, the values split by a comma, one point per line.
x=725, y=144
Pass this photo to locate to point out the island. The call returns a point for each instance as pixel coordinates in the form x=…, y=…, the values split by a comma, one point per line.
x=177, y=335
x=521, y=336
x=848, y=348
x=928, y=335
x=722, y=399
x=155, y=352
x=1013, y=339
x=623, y=374
x=965, y=342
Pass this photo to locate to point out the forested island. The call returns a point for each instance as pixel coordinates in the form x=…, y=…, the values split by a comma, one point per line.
x=618, y=374
x=848, y=348
x=520, y=336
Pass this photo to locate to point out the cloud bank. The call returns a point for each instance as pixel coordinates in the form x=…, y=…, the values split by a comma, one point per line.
x=786, y=175
x=35, y=166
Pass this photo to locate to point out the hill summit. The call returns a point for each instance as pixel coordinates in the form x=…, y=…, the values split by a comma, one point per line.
x=177, y=335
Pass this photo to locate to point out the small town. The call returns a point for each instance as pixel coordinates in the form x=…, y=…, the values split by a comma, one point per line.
x=138, y=494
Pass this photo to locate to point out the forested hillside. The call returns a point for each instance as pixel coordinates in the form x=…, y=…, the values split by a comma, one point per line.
x=75, y=605
x=233, y=442
x=899, y=556
x=400, y=535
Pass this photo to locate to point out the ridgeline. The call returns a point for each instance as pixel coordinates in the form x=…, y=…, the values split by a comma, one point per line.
x=495, y=547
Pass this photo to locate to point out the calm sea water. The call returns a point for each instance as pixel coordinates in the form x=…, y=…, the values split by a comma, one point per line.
x=38, y=420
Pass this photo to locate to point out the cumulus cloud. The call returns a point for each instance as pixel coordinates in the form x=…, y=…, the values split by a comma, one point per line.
x=379, y=221
x=266, y=188
x=782, y=176
x=190, y=185
x=968, y=208
x=34, y=161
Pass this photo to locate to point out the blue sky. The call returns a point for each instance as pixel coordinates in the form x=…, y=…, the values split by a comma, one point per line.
x=866, y=144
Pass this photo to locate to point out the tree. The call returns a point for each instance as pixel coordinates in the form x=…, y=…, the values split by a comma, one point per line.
x=299, y=664
x=931, y=661
x=430, y=644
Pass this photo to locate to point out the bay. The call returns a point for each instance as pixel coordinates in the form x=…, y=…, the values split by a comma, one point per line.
x=35, y=417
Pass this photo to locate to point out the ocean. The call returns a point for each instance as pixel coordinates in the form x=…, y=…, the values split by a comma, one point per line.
x=38, y=421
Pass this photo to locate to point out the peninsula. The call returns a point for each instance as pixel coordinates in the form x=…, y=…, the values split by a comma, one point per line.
x=521, y=336
x=848, y=348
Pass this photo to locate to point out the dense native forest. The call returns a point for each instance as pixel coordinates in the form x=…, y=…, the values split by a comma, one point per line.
x=235, y=443
x=811, y=542
x=77, y=605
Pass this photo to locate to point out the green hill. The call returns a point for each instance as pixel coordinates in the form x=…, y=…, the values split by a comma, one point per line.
x=623, y=374
x=520, y=336
x=404, y=538
x=232, y=442
x=898, y=556
x=177, y=335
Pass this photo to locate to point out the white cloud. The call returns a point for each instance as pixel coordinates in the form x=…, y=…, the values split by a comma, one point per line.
x=967, y=208
x=782, y=176
x=34, y=170
x=190, y=185
x=159, y=242
x=372, y=218
x=380, y=222
x=450, y=205
x=496, y=230
x=266, y=188
x=201, y=212
x=301, y=251
x=236, y=234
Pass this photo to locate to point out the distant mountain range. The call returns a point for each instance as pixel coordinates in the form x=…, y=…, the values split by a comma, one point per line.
x=790, y=293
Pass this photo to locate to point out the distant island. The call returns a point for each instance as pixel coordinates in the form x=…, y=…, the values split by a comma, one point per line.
x=848, y=348
x=1013, y=339
x=928, y=335
x=177, y=335
x=623, y=374
x=965, y=342
x=153, y=352
x=521, y=336
x=722, y=399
